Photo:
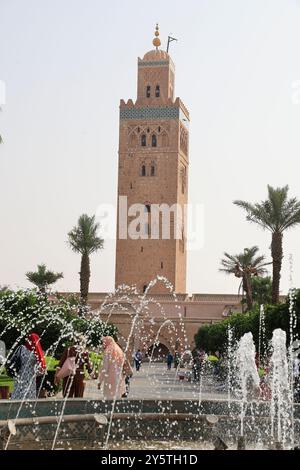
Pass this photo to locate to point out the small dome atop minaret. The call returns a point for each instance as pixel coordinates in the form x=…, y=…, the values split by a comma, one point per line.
x=156, y=54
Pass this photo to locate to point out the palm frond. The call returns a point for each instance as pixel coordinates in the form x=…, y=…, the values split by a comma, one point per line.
x=276, y=214
x=43, y=277
x=83, y=237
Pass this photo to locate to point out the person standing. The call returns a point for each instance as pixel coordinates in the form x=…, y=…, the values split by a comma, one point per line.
x=138, y=360
x=128, y=373
x=196, y=365
x=169, y=360
x=176, y=359
x=111, y=376
x=73, y=385
x=32, y=363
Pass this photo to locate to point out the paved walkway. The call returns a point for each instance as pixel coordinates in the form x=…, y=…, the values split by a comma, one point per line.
x=156, y=382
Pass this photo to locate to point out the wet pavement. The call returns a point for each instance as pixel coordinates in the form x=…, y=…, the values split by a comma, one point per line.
x=156, y=382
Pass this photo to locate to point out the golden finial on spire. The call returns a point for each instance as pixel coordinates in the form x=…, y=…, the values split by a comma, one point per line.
x=156, y=41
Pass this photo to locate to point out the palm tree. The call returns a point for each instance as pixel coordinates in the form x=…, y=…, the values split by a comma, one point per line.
x=276, y=214
x=43, y=278
x=245, y=265
x=83, y=239
x=262, y=290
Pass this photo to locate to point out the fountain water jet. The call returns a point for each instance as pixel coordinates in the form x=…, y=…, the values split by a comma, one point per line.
x=282, y=392
x=247, y=373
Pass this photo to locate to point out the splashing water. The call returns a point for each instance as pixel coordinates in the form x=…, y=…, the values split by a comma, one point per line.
x=282, y=392
x=261, y=334
x=229, y=363
x=246, y=373
x=241, y=356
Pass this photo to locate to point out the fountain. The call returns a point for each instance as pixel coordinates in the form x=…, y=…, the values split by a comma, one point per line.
x=182, y=415
x=248, y=376
x=282, y=409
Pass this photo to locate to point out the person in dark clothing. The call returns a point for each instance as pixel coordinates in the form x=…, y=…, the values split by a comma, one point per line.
x=176, y=359
x=138, y=359
x=169, y=360
x=198, y=363
x=128, y=373
x=73, y=385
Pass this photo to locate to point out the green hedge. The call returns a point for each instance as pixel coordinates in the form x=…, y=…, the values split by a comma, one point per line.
x=214, y=337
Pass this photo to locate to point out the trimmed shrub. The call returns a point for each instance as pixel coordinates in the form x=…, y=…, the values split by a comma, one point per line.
x=212, y=338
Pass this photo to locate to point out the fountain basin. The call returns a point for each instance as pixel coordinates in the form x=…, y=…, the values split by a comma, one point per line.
x=136, y=420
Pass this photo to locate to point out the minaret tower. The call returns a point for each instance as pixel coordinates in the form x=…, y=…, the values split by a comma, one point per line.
x=153, y=170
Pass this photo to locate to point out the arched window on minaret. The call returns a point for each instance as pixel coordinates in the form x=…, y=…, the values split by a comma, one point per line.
x=148, y=91
x=154, y=140
x=152, y=169
x=143, y=170
x=147, y=208
x=157, y=91
x=143, y=140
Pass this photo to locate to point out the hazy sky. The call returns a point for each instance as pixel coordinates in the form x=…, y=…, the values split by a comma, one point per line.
x=67, y=63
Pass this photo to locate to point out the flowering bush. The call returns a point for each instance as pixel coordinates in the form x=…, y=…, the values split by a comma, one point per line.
x=56, y=321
